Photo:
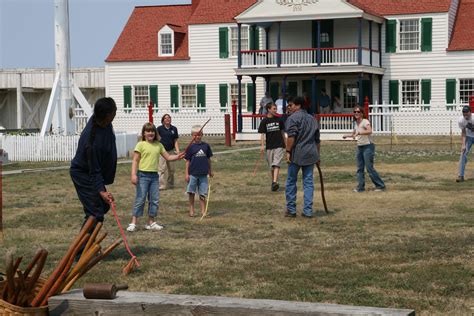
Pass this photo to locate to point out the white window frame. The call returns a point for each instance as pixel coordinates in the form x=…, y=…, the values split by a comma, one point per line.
x=165, y=30
x=235, y=86
x=460, y=92
x=244, y=29
x=136, y=89
x=403, y=91
x=399, y=44
x=184, y=94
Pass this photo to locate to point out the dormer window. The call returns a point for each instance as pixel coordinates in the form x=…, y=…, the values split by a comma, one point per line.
x=166, y=42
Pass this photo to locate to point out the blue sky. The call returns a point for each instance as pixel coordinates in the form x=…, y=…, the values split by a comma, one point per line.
x=27, y=30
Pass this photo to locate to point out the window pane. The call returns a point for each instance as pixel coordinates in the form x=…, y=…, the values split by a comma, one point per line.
x=466, y=89
x=234, y=36
x=409, y=35
x=234, y=94
x=188, y=95
x=166, y=46
x=351, y=95
x=410, y=92
x=141, y=96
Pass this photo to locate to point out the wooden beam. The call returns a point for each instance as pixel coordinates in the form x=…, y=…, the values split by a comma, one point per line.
x=139, y=303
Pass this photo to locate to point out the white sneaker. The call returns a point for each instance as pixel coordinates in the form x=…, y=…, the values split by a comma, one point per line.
x=154, y=226
x=131, y=227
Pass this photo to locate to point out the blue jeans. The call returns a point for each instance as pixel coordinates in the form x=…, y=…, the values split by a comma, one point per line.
x=308, y=188
x=463, y=158
x=147, y=186
x=365, y=158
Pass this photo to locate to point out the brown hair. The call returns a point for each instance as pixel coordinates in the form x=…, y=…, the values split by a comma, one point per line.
x=164, y=116
x=147, y=127
x=361, y=109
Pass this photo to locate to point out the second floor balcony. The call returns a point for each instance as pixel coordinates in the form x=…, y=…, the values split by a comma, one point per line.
x=310, y=57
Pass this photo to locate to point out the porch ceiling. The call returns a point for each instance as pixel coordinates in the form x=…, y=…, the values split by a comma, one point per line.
x=265, y=11
x=309, y=70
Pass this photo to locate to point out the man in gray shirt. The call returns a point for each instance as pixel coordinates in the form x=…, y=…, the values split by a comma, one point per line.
x=302, y=152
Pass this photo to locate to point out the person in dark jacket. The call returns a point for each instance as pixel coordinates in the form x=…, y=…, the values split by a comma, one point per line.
x=95, y=162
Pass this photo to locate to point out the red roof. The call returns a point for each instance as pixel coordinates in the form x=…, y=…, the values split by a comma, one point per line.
x=392, y=7
x=462, y=37
x=219, y=11
x=139, y=39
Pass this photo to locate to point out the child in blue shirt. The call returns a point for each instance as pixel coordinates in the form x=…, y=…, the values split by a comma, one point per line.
x=198, y=167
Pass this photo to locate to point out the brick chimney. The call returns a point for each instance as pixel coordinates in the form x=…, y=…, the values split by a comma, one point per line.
x=194, y=5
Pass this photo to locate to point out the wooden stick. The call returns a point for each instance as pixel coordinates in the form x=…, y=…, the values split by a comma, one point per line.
x=19, y=288
x=17, y=264
x=60, y=267
x=93, y=236
x=85, y=259
x=33, y=262
x=31, y=282
x=91, y=264
x=59, y=280
x=10, y=290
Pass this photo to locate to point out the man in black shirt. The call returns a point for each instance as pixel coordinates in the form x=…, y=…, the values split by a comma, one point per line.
x=271, y=129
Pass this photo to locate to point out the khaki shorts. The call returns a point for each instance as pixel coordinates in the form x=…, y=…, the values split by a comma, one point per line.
x=275, y=156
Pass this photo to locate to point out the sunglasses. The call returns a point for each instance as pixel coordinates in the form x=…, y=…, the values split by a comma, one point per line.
x=357, y=112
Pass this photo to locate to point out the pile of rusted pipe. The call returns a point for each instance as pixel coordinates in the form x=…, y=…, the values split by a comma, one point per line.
x=66, y=273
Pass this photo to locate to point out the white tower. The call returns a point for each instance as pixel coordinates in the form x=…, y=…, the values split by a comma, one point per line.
x=63, y=122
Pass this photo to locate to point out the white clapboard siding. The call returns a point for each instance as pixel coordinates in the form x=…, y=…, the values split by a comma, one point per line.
x=203, y=67
x=437, y=65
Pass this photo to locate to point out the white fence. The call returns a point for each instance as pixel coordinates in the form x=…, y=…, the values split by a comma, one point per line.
x=415, y=119
x=183, y=119
x=54, y=147
x=421, y=119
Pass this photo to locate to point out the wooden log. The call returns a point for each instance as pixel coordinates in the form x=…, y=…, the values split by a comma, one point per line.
x=138, y=303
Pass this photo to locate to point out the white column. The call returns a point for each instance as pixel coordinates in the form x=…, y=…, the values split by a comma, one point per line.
x=19, y=103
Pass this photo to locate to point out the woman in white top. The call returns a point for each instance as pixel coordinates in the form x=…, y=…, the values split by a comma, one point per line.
x=365, y=151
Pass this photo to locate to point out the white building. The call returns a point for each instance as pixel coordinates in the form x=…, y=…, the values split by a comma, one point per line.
x=208, y=53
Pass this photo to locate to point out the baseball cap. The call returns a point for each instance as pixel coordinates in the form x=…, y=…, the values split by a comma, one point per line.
x=466, y=109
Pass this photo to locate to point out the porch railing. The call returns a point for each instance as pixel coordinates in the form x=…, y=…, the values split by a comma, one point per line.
x=307, y=57
x=420, y=119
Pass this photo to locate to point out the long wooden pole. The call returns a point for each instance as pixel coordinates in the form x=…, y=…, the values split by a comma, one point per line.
x=1, y=201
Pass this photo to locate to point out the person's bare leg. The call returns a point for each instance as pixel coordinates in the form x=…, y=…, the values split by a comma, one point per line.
x=191, y=204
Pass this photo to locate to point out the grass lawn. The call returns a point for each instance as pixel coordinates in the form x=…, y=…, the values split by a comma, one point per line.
x=408, y=247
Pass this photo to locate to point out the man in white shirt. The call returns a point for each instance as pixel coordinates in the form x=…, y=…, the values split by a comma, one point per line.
x=466, y=125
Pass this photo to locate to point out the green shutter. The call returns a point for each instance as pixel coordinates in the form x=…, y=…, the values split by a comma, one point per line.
x=393, y=91
x=274, y=90
x=223, y=95
x=426, y=91
x=250, y=97
x=426, y=34
x=450, y=91
x=257, y=38
x=223, y=42
x=252, y=37
x=201, y=96
x=390, y=36
x=127, y=98
x=174, y=96
x=154, y=96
